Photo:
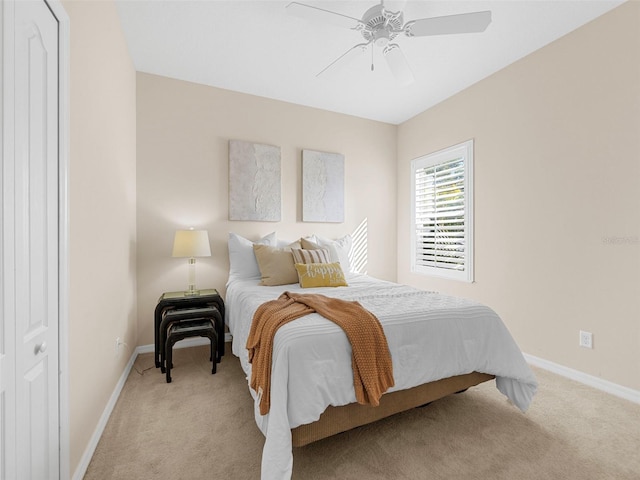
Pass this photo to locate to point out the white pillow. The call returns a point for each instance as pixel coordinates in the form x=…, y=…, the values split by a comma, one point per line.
x=242, y=261
x=339, y=249
x=296, y=244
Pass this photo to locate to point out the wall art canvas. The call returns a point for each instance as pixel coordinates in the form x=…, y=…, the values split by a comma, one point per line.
x=254, y=182
x=322, y=187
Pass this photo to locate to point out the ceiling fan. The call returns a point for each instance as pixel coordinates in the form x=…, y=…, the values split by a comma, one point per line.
x=379, y=26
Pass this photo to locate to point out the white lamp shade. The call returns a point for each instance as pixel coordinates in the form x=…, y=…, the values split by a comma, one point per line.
x=191, y=243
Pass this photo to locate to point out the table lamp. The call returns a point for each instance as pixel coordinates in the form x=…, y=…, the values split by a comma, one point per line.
x=191, y=243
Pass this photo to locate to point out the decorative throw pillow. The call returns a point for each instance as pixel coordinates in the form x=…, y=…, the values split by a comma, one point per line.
x=318, y=255
x=309, y=245
x=296, y=244
x=276, y=265
x=320, y=275
x=339, y=249
x=242, y=261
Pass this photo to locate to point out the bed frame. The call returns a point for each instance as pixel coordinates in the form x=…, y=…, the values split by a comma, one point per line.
x=335, y=420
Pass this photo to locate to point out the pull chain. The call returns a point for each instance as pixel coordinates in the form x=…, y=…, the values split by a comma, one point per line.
x=372, y=57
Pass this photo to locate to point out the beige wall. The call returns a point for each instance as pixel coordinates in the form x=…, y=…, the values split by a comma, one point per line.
x=557, y=195
x=183, y=135
x=102, y=298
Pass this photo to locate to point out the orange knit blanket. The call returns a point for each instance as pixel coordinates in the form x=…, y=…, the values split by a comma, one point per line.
x=371, y=360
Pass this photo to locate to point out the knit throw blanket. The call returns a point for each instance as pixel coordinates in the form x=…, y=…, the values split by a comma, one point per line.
x=371, y=360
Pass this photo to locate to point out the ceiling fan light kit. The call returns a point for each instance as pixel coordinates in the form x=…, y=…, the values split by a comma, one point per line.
x=379, y=27
x=398, y=64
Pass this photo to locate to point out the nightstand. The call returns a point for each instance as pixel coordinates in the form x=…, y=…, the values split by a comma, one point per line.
x=181, y=300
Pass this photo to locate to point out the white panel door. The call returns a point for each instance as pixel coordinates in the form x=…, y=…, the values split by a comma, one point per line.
x=30, y=247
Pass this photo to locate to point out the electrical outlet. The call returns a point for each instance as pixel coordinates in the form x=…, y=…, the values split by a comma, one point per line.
x=586, y=339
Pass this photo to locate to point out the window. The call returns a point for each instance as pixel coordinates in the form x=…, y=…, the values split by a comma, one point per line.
x=442, y=206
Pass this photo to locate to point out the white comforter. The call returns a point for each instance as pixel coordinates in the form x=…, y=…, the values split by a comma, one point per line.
x=430, y=336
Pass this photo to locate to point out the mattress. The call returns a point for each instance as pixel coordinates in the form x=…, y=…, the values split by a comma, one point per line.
x=430, y=336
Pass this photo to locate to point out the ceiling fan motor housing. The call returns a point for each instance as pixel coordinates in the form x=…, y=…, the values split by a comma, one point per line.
x=381, y=26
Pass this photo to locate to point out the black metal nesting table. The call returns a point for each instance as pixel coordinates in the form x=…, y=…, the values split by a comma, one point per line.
x=181, y=300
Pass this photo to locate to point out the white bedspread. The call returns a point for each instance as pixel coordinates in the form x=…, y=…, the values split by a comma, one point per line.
x=430, y=336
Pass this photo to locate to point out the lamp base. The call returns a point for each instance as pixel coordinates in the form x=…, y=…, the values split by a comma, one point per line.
x=191, y=290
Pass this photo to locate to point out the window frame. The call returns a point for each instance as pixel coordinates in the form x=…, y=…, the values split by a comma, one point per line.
x=462, y=150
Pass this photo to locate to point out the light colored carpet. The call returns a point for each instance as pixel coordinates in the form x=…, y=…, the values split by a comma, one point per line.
x=201, y=426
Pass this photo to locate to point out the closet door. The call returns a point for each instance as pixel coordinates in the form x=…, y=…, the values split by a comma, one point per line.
x=30, y=243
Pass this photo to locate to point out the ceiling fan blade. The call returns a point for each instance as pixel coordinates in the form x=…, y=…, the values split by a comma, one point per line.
x=345, y=58
x=398, y=64
x=309, y=12
x=462, y=23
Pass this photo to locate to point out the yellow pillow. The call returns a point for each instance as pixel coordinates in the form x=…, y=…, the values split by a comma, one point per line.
x=320, y=275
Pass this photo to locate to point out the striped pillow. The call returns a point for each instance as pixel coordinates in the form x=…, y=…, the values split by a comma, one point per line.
x=320, y=255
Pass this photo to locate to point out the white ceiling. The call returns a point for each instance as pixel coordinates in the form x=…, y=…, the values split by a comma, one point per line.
x=255, y=47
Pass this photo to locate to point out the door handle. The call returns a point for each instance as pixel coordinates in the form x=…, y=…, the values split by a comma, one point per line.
x=41, y=348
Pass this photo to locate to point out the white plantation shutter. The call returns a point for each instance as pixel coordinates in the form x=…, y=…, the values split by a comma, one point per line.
x=440, y=215
x=441, y=223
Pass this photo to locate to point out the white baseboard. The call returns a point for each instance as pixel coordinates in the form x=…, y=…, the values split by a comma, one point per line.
x=81, y=470
x=590, y=380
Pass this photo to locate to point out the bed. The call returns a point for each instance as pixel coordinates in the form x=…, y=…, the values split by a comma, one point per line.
x=439, y=345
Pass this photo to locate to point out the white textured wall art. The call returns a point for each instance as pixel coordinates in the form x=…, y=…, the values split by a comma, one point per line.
x=254, y=182
x=322, y=187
